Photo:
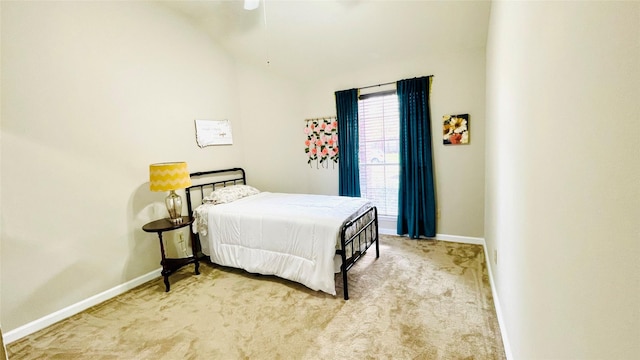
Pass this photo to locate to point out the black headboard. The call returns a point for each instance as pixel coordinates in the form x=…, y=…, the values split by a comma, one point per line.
x=209, y=181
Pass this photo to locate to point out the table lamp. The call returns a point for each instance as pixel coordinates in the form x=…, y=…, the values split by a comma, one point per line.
x=170, y=176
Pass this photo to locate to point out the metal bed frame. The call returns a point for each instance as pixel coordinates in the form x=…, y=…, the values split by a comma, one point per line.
x=352, y=247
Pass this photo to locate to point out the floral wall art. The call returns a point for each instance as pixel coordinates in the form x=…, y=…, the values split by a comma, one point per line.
x=321, y=144
x=455, y=129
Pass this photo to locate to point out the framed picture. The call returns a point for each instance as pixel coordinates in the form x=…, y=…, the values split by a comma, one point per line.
x=213, y=132
x=455, y=129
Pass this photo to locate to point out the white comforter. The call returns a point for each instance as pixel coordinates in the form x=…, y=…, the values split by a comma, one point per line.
x=292, y=236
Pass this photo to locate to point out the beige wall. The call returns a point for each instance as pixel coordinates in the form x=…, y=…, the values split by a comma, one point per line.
x=92, y=93
x=272, y=128
x=458, y=87
x=563, y=190
x=96, y=91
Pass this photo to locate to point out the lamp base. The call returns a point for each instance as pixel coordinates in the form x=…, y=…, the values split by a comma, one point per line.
x=174, y=205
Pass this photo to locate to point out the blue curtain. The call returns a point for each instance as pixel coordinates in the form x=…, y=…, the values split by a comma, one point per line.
x=416, y=197
x=348, y=166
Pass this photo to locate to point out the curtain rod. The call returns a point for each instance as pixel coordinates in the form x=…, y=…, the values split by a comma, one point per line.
x=372, y=86
x=333, y=117
x=383, y=84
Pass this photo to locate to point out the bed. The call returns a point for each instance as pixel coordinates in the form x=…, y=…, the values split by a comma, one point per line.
x=299, y=237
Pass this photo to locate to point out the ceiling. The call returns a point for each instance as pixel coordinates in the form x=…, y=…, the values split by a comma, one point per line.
x=311, y=39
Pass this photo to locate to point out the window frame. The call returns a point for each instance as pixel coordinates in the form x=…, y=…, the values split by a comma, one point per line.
x=384, y=196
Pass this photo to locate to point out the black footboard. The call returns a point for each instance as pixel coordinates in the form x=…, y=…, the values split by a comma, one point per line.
x=356, y=236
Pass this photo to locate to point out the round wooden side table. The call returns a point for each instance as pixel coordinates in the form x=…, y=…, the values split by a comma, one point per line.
x=171, y=265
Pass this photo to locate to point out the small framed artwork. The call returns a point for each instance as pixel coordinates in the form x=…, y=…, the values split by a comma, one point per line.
x=213, y=132
x=455, y=129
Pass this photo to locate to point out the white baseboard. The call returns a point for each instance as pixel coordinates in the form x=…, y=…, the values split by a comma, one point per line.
x=496, y=302
x=442, y=237
x=71, y=310
x=386, y=231
x=460, y=239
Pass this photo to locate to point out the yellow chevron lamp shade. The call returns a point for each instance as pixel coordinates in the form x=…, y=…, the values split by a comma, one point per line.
x=169, y=176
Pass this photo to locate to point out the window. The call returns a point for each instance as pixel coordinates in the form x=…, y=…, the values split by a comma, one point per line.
x=379, y=134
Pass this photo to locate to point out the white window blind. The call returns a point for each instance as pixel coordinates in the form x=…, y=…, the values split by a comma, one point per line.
x=379, y=132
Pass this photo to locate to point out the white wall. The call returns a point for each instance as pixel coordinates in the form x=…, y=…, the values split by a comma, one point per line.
x=92, y=93
x=458, y=87
x=563, y=177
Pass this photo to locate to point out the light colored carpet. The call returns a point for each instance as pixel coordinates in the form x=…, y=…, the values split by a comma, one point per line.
x=421, y=299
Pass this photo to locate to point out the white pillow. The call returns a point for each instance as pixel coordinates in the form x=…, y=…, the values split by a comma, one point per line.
x=231, y=193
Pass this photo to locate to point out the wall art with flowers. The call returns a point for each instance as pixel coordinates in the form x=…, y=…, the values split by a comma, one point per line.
x=321, y=145
x=455, y=129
